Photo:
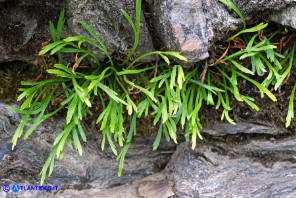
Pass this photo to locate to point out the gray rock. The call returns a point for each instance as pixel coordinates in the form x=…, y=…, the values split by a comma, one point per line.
x=221, y=21
x=152, y=186
x=8, y=120
x=182, y=26
x=96, y=168
x=227, y=170
x=242, y=160
x=108, y=21
x=222, y=129
x=190, y=27
x=24, y=26
x=286, y=17
x=259, y=6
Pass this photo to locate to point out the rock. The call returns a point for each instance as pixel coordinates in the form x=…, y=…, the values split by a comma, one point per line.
x=95, y=169
x=8, y=120
x=250, y=169
x=108, y=21
x=220, y=21
x=285, y=17
x=231, y=161
x=182, y=26
x=152, y=186
x=190, y=27
x=258, y=6
x=222, y=129
x=24, y=26
x=155, y=186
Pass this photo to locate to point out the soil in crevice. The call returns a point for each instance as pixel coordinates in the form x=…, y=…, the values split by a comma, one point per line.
x=11, y=75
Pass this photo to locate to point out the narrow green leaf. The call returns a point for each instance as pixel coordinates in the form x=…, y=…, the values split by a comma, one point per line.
x=160, y=77
x=176, y=55
x=60, y=24
x=129, y=19
x=111, y=93
x=59, y=73
x=81, y=131
x=133, y=128
x=208, y=87
x=52, y=31
x=28, y=101
x=260, y=87
x=240, y=67
x=131, y=106
x=19, y=130
x=171, y=131
x=121, y=157
x=82, y=93
x=166, y=133
x=58, y=48
x=50, y=47
x=253, y=29
x=194, y=137
x=76, y=141
x=181, y=77
x=79, y=39
x=111, y=144
x=60, y=141
x=72, y=109
x=158, y=138
x=48, y=162
x=290, y=114
x=41, y=118
x=142, y=106
x=165, y=58
x=158, y=112
x=67, y=130
x=250, y=103
x=145, y=91
x=133, y=71
x=164, y=112
x=173, y=77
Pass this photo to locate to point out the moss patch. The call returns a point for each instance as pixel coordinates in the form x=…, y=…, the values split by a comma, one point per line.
x=11, y=74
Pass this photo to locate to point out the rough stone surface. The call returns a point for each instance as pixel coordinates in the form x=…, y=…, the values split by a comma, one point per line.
x=24, y=26
x=95, y=169
x=189, y=26
x=259, y=6
x=243, y=160
x=156, y=185
x=246, y=160
x=182, y=26
x=220, y=21
x=214, y=171
x=222, y=129
x=286, y=17
x=108, y=21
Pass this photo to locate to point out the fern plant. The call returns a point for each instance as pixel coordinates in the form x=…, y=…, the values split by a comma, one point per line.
x=265, y=62
x=106, y=81
x=171, y=94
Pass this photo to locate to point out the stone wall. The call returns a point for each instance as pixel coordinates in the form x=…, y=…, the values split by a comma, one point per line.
x=189, y=26
x=246, y=160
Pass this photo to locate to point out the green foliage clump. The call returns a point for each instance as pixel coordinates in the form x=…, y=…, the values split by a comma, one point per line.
x=174, y=96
